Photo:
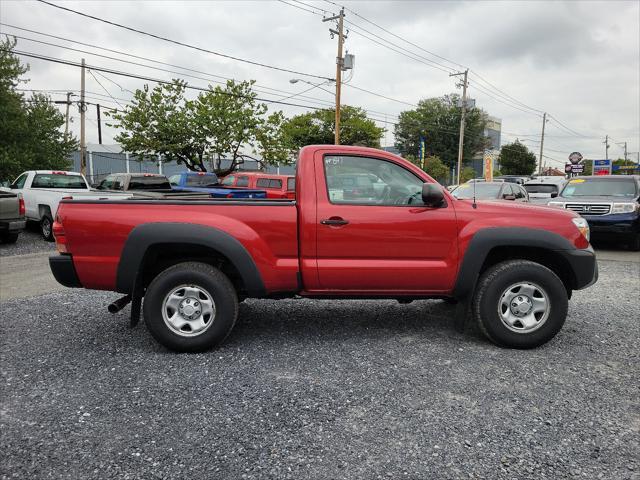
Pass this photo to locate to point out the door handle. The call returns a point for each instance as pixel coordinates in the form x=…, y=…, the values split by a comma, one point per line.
x=334, y=221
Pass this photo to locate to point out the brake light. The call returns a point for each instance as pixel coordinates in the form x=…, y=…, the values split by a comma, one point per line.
x=21, y=209
x=200, y=173
x=58, y=234
x=229, y=195
x=58, y=173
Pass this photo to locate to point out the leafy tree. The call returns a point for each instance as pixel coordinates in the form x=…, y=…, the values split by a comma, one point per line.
x=318, y=128
x=467, y=174
x=223, y=122
x=438, y=121
x=432, y=165
x=516, y=159
x=30, y=134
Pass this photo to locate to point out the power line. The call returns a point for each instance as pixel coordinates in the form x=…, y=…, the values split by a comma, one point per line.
x=103, y=87
x=176, y=42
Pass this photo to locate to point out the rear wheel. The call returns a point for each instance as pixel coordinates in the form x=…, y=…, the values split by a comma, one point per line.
x=520, y=304
x=46, y=227
x=190, y=307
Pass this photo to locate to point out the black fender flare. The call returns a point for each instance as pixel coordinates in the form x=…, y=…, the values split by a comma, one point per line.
x=144, y=236
x=486, y=239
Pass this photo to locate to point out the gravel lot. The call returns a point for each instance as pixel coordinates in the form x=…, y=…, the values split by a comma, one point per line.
x=29, y=241
x=321, y=389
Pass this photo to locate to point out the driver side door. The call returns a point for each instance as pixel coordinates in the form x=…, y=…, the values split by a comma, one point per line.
x=373, y=233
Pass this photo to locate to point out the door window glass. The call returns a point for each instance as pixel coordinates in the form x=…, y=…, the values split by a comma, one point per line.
x=275, y=183
x=228, y=181
x=174, y=180
x=107, y=183
x=18, y=183
x=262, y=183
x=370, y=181
x=291, y=183
x=243, y=181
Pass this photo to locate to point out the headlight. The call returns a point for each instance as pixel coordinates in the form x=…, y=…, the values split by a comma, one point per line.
x=583, y=226
x=624, y=207
x=556, y=204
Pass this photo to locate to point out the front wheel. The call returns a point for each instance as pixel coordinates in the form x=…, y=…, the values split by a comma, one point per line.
x=520, y=304
x=190, y=307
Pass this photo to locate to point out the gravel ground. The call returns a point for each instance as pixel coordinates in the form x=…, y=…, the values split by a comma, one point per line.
x=321, y=389
x=29, y=241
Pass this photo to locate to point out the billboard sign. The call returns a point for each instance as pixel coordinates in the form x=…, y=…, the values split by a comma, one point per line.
x=602, y=167
x=575, y=158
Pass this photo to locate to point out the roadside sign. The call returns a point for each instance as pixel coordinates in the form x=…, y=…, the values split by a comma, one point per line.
x=602, y=167
x=575, y=158
x=488, y=167
x=626, y=167
x=577, y=168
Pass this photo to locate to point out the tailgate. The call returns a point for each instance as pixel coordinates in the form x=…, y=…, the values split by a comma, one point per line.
x=9, y=206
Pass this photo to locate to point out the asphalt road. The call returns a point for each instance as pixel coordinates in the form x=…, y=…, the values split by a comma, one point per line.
x=319, y=389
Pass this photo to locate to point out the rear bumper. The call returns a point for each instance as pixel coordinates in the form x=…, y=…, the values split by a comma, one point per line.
x=584, y=266
x=14, y=225
x=64, y=271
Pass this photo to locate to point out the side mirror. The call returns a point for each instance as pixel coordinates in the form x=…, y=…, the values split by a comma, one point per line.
x=554, y=195
x=432, y=195
x=506, y=196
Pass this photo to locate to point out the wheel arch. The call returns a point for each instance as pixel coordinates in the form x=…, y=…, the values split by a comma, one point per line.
x=150, y=248
x=494, y=245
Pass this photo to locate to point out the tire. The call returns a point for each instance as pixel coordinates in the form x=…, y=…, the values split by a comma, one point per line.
x=46, y=227
x=187, y=286
x=450, y=300
x=634, y=243
x=9, y=237
x=525, y=286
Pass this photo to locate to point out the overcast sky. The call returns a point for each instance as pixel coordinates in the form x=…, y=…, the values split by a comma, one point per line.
x=578, y=61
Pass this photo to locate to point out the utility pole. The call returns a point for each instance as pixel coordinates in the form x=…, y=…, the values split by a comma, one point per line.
x=544, y=122
x=83, y=108
x=99, y=124
x=606, y=147
x=462, y=119
x=66, y=125
x=339, y=66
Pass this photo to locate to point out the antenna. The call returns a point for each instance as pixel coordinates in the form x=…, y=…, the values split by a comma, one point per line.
x=474, y=205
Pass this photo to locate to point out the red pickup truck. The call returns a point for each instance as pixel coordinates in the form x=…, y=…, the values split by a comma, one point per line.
x=512, y=267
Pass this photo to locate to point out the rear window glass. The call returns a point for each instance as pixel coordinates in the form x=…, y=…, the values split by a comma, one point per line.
x=149, y=183
x=537, y=188
x=291, y=184
x=208, y=180
x=57, y=180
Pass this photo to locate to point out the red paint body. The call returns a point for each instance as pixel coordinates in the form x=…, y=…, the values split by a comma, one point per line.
x=276, y=186
x=384, y=250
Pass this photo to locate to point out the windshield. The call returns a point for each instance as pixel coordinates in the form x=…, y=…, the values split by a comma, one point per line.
x=586, y=187
x=58, y=180
x=208, y=180
x=541, y=188
x=483, y=190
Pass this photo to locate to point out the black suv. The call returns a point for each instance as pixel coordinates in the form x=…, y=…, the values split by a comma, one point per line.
x=609, y=203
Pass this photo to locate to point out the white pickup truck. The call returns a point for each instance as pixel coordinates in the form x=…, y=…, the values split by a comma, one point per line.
x=42, y=190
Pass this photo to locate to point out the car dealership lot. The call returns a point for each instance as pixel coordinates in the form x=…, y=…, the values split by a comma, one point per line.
x=317, y=389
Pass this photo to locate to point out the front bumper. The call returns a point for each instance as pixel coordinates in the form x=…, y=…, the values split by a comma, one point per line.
x=619, y=223
x=64, y=271
x=11, y=226
x=583, y=265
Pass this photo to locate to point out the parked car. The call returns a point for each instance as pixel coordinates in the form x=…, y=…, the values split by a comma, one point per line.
x=519, y=179
x=276, y=186
x=12, y=219
x=491, y=191
x=42, y=190
x=208, y=182
x=513, y=267
x=541, y=189
x=135, y=181
x=610, y=203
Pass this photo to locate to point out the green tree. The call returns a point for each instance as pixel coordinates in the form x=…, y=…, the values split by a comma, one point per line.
x=317, y=128
x=221, y=123
x=432, y=165
x=516, y=159
x=30, y=134
x=437, y=120
x=467, y=174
